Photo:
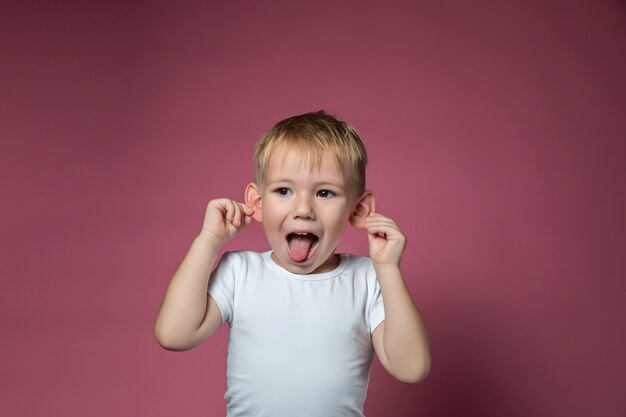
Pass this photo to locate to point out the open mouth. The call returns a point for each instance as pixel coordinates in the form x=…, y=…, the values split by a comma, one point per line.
x=301, y=245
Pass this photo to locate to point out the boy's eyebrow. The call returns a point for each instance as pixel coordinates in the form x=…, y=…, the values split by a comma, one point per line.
x=316, y=184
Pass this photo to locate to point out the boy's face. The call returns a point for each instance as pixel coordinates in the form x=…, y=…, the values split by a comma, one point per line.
x=305, y=210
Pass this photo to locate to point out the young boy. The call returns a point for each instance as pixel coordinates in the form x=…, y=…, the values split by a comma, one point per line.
x=304, y=321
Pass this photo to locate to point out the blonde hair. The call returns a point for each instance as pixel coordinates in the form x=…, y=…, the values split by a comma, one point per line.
x=314, y=134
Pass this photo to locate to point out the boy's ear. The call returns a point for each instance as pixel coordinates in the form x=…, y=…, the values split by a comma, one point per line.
x=253, y=199
x=365, y=206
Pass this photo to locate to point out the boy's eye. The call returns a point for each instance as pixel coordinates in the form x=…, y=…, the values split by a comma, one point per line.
x=325, y=193
x=284, y=191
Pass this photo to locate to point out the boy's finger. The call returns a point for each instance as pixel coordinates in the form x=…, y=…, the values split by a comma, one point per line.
x=377, y=216
x=228, y=215
x=237, y=215
x=383, y=222
x=243, y=218
x=382, y=229
x=380, y=223
x=373, y=236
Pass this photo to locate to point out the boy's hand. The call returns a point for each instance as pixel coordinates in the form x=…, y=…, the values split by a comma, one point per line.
x=224, y=218
x=386, y=241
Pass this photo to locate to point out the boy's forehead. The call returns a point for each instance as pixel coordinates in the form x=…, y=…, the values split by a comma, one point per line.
x=286, y=159
x=308, y=159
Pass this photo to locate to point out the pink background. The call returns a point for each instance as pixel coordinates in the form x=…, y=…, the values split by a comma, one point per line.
x=497, y=140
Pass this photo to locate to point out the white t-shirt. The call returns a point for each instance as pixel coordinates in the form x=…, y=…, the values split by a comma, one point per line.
x=299, y=345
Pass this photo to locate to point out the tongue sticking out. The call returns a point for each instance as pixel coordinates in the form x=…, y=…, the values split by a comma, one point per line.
x=300, y=245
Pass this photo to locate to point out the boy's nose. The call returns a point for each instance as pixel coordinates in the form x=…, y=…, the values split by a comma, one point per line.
x=303, y=209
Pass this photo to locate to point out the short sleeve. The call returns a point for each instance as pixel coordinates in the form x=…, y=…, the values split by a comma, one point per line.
x=222, y=285
x=375, y=303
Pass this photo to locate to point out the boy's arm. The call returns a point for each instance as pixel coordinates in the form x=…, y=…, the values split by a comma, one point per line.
x=401, y=340
x=188, y=314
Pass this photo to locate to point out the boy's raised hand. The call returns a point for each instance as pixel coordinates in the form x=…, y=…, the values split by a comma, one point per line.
x=386, y=241
x=224, y=218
